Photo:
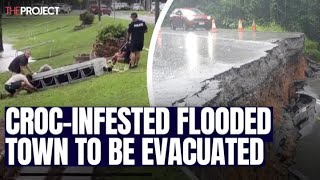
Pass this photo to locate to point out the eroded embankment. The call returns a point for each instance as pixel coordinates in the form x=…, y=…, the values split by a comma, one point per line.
x=269, y=81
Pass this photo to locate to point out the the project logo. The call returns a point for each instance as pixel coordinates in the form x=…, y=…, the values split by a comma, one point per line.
x=31, y=11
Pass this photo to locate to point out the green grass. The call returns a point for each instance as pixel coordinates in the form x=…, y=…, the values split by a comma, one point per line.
x=271, y=27
x=310, y=48
x=119, y=89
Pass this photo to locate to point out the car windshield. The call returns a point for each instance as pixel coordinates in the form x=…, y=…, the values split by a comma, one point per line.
x=193, y=12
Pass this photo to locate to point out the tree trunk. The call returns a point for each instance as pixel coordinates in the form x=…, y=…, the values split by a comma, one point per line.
x=1, y=42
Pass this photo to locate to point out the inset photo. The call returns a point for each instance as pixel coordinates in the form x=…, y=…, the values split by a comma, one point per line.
x=80, y=55
x=245, y=53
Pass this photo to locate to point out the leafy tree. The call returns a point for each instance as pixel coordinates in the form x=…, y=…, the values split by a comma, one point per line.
x=292, y=15
x=1, y=39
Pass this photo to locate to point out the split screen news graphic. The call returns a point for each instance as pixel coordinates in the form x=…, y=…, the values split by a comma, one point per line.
x=75, y=58
x=215, y=90
x=245, y=58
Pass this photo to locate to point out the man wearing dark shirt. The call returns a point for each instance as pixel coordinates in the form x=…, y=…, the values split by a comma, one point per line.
x=136, y=31
x=20, y=63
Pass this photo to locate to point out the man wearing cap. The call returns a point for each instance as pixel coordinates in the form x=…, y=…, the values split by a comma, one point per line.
x=20, y=63
x=136, y=31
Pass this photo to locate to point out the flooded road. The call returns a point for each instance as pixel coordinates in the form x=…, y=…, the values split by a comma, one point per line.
x=184, y=60
x=7, y=56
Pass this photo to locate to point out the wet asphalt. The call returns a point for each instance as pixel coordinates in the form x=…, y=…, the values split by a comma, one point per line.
x=183, y=60
x=148, y=17
x=6, y=57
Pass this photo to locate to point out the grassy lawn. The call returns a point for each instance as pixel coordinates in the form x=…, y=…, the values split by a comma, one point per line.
x=119, y=89
x=310, y=48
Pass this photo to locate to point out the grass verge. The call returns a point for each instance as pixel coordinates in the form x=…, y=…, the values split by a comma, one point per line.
x=311, y=47
x=119, y=89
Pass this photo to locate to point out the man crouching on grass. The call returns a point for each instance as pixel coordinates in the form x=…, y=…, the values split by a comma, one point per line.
x=17, y=83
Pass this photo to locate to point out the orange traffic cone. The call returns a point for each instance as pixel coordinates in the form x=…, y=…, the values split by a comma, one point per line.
x=214, y=28
x=254, y=26
x=240, y=27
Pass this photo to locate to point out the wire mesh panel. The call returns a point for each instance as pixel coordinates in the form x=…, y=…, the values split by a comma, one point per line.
x=69, y=74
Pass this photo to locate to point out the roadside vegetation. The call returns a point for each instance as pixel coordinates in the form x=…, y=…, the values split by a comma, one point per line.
x=119, y=89
x=270, y=15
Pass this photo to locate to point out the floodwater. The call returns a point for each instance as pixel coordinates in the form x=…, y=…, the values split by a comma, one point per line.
x=7, y=56
x=184, y=60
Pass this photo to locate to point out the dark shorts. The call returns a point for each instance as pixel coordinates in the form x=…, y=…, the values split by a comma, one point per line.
x=136, y=46
x=127, y=58
x=13, y=87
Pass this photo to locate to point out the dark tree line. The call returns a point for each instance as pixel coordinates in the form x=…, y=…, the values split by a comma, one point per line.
x=292, y=15
x=1, y=39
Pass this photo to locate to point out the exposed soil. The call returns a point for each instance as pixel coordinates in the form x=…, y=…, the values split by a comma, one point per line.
x=108, y=48
x=270, y=81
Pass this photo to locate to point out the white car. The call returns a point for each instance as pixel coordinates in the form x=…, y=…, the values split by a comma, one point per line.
x=161, y=6
x=125, y=6
x=116, y=6
x=137, y=7
x=153, y=6
x=63, y=8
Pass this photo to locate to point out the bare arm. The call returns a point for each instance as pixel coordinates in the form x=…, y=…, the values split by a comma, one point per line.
x=129, y=32
x=23, y=70
x=128, y=36
x=28, y=84
x=145, y=27
x=29, y=69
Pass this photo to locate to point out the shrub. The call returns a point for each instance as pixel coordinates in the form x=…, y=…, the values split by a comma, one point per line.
x=311, y=48
x=111, y=32
x=87, y=18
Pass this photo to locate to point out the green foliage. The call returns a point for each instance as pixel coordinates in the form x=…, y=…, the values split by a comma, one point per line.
x=87, y=18
x=108, y=90
x=270, y=27
x=291, y=15
x=111, y=32
x=313, y=49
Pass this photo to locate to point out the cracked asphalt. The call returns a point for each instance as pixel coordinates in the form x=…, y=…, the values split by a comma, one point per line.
x=184, y=61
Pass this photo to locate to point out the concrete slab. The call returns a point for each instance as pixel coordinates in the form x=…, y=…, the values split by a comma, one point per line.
x=312, y=89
